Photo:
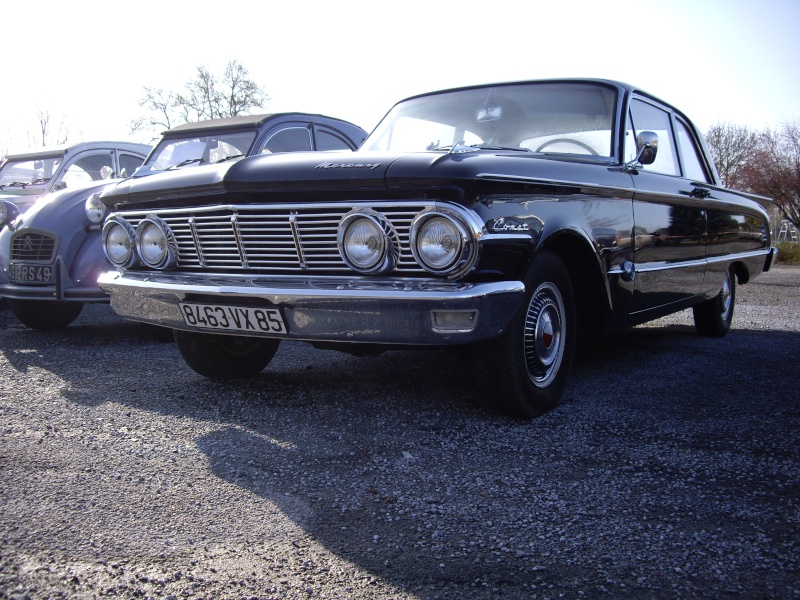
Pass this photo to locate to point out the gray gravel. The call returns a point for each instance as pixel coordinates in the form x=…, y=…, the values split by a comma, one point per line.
x=671, y=470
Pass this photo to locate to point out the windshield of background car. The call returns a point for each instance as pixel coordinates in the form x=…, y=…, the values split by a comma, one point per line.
x=552, y=118
x=198, y=150
x=35, y=171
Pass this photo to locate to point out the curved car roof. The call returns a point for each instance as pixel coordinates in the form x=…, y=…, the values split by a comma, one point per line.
x=51, y=151
x=240, y=121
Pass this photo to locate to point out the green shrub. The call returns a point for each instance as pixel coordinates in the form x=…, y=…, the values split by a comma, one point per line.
x=788, y=253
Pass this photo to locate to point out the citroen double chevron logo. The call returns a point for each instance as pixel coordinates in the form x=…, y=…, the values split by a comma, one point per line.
x=27, y=245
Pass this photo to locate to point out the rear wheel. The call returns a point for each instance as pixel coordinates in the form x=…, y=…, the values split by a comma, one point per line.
x=713, y=317
x=525, y=371
x=225, y=356
x=45, y=314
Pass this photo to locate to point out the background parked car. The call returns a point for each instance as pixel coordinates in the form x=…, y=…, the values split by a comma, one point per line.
x=50, y=257
x=27, y=176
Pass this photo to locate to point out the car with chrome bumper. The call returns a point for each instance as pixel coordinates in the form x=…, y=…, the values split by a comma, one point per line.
x=507, y=219
x=51, y=257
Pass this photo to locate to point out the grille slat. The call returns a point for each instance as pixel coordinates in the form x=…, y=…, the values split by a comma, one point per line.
x=267, y=239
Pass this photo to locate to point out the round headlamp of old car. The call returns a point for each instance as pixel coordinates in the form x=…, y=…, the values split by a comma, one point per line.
x=155, y=243
x=119, y=242
x=95, y=210
x=438, y=242
x=367, y=242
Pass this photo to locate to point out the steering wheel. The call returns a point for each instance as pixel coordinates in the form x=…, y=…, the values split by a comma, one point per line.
x=586, y=147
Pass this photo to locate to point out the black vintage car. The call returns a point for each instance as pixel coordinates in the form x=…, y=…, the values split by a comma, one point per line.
x=507, y=218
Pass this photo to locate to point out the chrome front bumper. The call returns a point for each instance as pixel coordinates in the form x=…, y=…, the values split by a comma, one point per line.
x=390, y=311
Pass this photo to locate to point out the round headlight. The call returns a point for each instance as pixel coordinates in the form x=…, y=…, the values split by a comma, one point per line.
x=364, y=244
x=368, y=242
x=156, y=243
x=3, y=213
x=438, y=243
x=95, y=210
x=118, y=243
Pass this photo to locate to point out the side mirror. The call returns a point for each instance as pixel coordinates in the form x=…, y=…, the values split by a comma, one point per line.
x=646, y=147
x=61, y=185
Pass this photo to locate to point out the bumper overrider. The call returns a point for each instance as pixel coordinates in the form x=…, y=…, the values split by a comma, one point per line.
x=390, y=311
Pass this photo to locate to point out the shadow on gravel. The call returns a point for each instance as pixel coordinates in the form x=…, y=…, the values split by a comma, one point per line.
x=397, y=465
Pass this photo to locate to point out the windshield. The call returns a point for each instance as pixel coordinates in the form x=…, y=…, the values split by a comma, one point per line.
x=27, y=172
x=559, y=118
x=174, y=153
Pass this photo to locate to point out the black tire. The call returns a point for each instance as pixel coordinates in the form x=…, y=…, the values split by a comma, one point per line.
x=525, y=371
x=45, y=314
x=225, y=356
x=159, y=333
x=713, y=317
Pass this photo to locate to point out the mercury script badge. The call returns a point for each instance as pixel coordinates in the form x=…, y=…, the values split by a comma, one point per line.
x=327, y=165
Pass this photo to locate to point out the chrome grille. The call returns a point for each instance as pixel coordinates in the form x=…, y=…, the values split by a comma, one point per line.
x=29, y=247
x=285, y=238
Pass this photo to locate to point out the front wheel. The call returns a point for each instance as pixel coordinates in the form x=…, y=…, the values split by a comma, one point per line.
x=713, y=317
x=525, y=371
x=225, y=356
x=45, y=314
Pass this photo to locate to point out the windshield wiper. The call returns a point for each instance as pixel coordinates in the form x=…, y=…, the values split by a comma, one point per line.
x=21, y=184
x=183, y=163
x=40, y=180
x=493, y=147
x=231, y=157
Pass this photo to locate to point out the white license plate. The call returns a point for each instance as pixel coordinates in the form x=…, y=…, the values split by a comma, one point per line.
x=233, y=318
x=30, y=273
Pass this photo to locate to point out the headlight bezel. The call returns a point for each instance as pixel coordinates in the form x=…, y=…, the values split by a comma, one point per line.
x=386, y=259
x=466, y=253
x=112, y=223
x=168, y=257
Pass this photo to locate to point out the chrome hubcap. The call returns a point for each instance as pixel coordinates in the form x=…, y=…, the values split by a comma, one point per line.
x=544, y=329
x=725, y=296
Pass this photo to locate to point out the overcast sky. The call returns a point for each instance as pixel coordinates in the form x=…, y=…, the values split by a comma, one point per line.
x=87, y=62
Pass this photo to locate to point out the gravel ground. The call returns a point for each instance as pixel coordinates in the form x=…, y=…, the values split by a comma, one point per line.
x=671, y=470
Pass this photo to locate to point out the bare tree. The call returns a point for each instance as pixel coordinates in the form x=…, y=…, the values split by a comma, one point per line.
x=46, y=135
x=774, y=170
x=204, y=97
x=732, y=147
x=159, y=106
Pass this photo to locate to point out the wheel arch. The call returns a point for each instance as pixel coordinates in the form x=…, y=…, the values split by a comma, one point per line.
x=589, y=284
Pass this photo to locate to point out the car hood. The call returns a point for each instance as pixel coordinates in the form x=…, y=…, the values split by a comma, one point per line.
x=338, y=175
x=49, y=211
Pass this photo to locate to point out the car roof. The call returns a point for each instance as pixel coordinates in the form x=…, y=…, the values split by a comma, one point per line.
x=242, y=121
x=62, y=150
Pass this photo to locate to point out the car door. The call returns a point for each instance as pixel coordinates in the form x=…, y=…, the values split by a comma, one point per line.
x=85, y=167
x=128, y=163
x=287, y=137
x=669, y=215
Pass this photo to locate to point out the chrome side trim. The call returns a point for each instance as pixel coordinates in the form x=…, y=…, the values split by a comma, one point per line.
x=618, y=270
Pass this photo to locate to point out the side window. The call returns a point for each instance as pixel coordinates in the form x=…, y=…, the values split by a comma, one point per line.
x=292, y=139
x=128, y=163
x=327, y=140
x=89, y=167
x=692, y=162
x=647, y=117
